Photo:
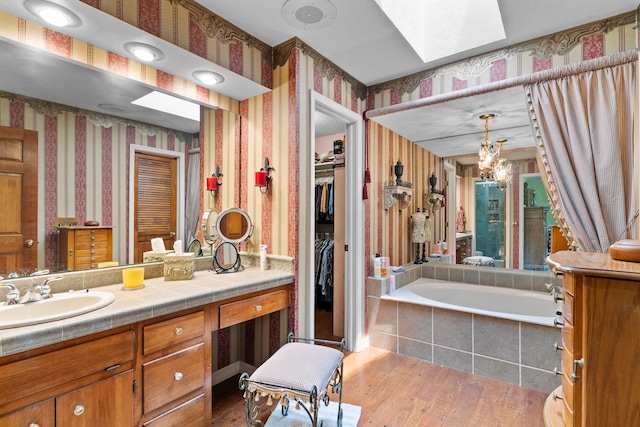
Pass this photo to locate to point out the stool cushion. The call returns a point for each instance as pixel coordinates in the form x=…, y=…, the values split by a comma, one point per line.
x=299, y=366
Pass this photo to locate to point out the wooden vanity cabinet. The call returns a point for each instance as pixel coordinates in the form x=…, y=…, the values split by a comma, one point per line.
x=600, y=340
x=154, y=373
x=41, y=415
x=82, y=248
x=83, y=383
x=175, y=372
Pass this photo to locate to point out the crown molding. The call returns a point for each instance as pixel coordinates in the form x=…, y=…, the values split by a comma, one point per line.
x=215, y=27
x=328, y=69
x=546, y=47
x=52, y=109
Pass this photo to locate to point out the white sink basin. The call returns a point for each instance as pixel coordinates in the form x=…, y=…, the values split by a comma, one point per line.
x=60, y=306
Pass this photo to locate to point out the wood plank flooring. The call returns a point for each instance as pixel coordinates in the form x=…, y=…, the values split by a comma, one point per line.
x=395, y=391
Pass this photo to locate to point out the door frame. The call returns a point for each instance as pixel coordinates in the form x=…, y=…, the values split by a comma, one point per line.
x=354, y=298
x=180, y=190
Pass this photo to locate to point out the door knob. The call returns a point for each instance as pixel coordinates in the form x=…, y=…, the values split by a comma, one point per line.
x=28, y=243
x=172, y=233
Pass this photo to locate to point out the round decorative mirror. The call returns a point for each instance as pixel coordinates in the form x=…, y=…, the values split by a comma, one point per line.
x=209, y=227
x=234, y=225
x=226, y=258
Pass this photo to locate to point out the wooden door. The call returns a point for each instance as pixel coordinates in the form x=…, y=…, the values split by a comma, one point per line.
x=155, y=202
x=105, y=403
x=18, y=201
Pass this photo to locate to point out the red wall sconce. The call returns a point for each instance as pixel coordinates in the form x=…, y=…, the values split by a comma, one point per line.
x=263, y=176
x=214, y=182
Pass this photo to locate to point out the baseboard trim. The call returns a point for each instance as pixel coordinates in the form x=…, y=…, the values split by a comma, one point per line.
x=229, y=371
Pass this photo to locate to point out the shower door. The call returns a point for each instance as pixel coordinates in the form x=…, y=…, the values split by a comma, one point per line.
x=490, y=221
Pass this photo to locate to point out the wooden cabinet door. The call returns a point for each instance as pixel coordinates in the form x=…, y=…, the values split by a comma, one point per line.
x=155, y=195
x=19, y=195
x=107, y=403
x=41, y=415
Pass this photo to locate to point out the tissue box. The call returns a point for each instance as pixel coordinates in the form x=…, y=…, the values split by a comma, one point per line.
x=154, y=256
x=179, y=267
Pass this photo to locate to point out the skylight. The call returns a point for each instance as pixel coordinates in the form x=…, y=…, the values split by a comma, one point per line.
x=169, y=104
x=436, y=29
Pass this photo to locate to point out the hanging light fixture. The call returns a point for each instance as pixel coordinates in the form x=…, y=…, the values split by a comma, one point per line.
x=492, y=167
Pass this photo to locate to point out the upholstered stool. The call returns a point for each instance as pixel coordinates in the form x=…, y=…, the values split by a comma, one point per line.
x=301, y=372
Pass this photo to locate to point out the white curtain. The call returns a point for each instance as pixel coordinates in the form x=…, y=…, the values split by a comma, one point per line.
x=192, y=208
x=584, y=125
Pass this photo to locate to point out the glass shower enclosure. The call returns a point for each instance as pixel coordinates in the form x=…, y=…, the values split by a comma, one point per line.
x=490, y=221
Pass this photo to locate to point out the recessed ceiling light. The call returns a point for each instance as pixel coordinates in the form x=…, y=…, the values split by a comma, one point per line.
x=52, y=13
x=208, y=78
x=309, y=14
x=144, y=52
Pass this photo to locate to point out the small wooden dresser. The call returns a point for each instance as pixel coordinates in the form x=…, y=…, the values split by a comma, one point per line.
x=82, y=248
x=600, y=342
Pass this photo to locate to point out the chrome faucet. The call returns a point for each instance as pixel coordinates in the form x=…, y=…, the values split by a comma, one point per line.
x=13, y=296
x=39, y=292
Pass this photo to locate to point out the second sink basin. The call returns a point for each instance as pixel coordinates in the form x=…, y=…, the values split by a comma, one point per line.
x=60, y=306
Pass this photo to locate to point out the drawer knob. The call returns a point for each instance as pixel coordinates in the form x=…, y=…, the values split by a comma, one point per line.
x=557, y=347
x=258, y=307
x=556, y=396
x=557, y=323
x=557, y=371
x=177, y=376
x=78, y=410
x=179, y=331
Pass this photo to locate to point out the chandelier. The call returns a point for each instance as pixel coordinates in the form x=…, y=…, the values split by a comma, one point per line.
x=492, y=167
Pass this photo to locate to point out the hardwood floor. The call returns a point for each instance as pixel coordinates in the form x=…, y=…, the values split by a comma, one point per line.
x=395, y=390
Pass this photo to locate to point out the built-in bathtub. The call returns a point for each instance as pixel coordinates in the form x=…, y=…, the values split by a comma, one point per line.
x=493, y=331
x=505, y=303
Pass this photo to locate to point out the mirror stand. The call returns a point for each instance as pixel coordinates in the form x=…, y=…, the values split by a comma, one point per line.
x=226, y=258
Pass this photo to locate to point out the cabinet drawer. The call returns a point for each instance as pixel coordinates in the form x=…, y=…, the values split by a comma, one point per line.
x=569, y=283
x=568, y=307
x=89, y=234
x=568, y=390
x=28, y=376
x=250, y=308
x=171, y=377
x=171, y=332
x=41, y=414
x=189, y=414
x=568, y=339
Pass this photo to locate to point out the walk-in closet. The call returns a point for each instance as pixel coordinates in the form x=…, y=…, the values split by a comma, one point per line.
x=329, y=206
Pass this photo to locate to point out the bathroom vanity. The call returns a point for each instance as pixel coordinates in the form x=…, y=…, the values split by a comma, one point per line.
x=144, y=360
x=600, y=342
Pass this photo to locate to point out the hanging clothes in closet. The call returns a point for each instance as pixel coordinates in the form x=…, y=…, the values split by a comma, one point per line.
x=324, y=200
x=324, y=269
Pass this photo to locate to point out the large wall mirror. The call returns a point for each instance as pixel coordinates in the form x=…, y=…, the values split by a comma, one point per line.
x=498, y=220
x=93, y=179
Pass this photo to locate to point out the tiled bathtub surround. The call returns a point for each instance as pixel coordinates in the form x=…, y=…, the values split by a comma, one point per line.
x=515, y=352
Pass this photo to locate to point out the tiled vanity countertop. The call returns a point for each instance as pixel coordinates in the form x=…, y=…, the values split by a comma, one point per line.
x=157, y=298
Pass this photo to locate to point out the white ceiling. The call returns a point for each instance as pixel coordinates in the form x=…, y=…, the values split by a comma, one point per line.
x=361, y=41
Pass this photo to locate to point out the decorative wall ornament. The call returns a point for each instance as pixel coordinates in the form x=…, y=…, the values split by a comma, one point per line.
x=220, y=29
x=544, y=47
x=52, y=109
x=328, y=69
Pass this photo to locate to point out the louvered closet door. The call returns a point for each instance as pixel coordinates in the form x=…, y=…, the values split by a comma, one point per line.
x=155, y=199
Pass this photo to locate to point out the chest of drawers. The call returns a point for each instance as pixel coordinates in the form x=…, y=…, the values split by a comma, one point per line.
x=600, y=342
x=82, y=248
